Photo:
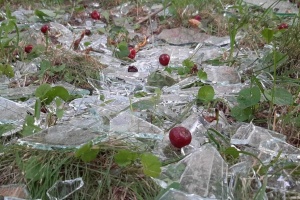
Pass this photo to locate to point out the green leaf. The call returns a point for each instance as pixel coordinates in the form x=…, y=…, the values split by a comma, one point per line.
x=86, y=152
x=151, y=164
x=281, y=96
x=87, y=44
x=28, y=127
x=248, y=97
x=168, y=69
x=57, y=91
x=9, y=26
x=7, y=70
x=241, y=114
x=274, y=59
x=33, y=169
x=140, y=94
x=188, y=63
x=45, y=65
x=58, y=102
x=122, y=50
x=59, y=113
x=59, y=68
x=297, y=121
x=6, y=127
x=202, y=75
x=40, y=14
x=183, y=70
x=125, y=157
x=232, y=151
x=8, y=12
x=206, y=93
x=267, y=34
x=279, y=58
x=42, y=90
x=106, y=15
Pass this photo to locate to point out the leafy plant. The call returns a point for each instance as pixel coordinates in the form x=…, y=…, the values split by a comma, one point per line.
x=8, y=42
x=87, y=152
x=149, y=162
x=188, y=67
x=45, y=96
x=122, y=50
x=206, y=93
x=7, y=70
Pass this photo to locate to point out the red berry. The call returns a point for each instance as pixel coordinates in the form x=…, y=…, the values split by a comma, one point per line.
x=197, y=17
x=28, y=48
x=45, y=28
x=180, y=137
x=132, y=69
x=164, y=59
x=95, y=15
x=283, y=26
x=132, y=53
x=87, y=32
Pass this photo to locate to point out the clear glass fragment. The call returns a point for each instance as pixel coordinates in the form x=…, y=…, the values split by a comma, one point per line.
x=63, y=189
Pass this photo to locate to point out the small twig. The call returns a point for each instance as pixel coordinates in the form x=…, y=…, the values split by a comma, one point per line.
x=152, y=14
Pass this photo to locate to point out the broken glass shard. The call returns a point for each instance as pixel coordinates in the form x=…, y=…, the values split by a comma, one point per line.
x=63, y=189
x=18, y=93
x=14, y=192
x=275, y=146
x=253, y=135
x=12, y=114
x=182, y=36
x=185, y=83
x=282, y=6
x=203, y=172
x=68, y=135
x=127, y=122
x=222, y=74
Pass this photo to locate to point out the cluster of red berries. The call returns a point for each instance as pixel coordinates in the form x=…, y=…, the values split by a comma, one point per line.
x=44, y=29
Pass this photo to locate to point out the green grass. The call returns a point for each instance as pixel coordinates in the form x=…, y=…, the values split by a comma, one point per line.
x=103, y=178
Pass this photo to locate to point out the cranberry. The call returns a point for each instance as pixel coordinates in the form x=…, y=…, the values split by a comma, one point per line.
x=283, y=26
x=197, y=17
x=164, y=59
x=28, y=48
x=45, y=28
x=180, y=137
x=95, y=15
x=87, y=32
x=132, y=69
x=132, y=53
